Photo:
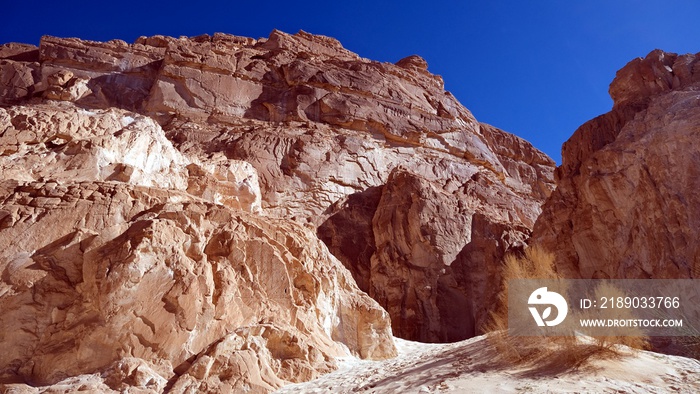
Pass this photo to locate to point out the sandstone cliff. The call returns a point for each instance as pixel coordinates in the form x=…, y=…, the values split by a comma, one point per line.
x=626, y=203
x=325, y=130
x=162, y=204
x=113, y=262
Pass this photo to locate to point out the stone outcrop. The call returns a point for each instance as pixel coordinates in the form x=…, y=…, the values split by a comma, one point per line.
x=96, y=272
x=626, y=204
x=19, y=72
x=209, y=92
x=62, y=142
x=127, y=264
x=181, y=178
x=325, y=128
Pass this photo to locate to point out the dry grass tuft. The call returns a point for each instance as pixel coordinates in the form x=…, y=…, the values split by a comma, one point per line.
x=540, y=354
x=637, y=341
x=535, y=263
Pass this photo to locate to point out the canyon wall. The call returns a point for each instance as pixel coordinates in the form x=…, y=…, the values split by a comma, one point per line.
x=626, y=203
x=194, y=213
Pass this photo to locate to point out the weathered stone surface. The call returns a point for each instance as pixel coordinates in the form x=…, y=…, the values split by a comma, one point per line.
x=328, y=135
x=19, y=72
x=19, y=52
x=432, y=262
x=413, y=61
x=529, y=171
x=95, y=272
x=281, y=358
x=62, y=86
x=65, y=143
x=349, y=233
x=223, y=85
x=427, y=254
x=415, y=248
x=168, y=138
x=110, y=252
x=116, y=73
x=626, y=204
x=305, y=77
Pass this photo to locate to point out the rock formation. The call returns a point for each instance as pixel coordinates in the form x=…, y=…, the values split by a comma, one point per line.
x=162, y=204
x=626, y=203
x=108, y=258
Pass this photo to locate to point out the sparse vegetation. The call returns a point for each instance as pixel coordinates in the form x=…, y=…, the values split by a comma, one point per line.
x=545, y=354
x=636, y=341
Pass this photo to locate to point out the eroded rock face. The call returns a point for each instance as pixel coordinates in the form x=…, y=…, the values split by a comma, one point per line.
x=62, y=142
x=325, y=129
x=430, y=256
x=95, y=272
x=19, y=72
x=294, y=92
x=626, y=204
x=126, y=264
x=214, y=163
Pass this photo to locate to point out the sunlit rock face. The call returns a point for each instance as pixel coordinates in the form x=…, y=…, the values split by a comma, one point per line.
x=119, y=252
x=193, y=214
x=626, y=203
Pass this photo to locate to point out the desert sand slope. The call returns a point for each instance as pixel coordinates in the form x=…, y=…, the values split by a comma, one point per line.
x=467, y=367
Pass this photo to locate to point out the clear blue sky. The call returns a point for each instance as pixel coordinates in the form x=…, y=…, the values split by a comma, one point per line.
x=535, y=68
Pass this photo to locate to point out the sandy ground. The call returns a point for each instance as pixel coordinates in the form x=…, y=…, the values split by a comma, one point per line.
x=467, y=367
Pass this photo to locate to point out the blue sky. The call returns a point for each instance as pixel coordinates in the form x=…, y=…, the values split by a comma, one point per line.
x=535, y=68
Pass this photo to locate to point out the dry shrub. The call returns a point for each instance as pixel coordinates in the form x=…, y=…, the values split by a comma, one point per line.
x=535, y=263
x=543, y=354
x=636, y=339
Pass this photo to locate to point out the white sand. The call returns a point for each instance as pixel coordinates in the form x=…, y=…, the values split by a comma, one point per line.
x=464, y=367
